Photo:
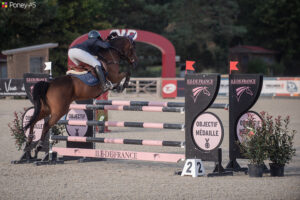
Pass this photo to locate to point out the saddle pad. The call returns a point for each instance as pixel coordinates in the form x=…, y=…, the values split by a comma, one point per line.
x=87, y=78
x=76, y=72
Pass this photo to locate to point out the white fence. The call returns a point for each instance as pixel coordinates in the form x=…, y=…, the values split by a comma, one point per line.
x=272, y=86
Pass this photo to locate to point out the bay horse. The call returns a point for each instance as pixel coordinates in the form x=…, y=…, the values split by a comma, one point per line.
x=52, y=99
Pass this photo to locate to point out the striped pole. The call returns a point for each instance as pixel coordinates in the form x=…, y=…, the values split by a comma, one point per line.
x=153, y=103
x=122, y=124
x=116, y=154
x=119, y=141
x=139, y=103
x=126, y=108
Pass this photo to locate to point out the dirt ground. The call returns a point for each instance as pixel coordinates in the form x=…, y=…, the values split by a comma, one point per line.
x=120, y=179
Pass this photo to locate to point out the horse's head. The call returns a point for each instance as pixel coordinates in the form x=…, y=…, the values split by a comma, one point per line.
x=125, y=45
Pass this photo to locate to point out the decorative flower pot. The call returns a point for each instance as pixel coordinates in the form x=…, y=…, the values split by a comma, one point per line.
x=276, y=169
x=255, y=170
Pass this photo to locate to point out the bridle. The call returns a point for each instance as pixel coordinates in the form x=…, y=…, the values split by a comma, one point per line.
x=121, y=54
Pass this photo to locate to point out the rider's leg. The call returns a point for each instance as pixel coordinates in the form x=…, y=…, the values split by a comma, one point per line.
x=101, y=77
x=79, y=55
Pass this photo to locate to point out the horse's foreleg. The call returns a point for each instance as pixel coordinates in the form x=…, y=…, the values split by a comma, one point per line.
x=117, y=78
x=126, y=83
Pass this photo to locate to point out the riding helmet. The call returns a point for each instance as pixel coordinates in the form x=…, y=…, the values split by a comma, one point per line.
x=94, y=34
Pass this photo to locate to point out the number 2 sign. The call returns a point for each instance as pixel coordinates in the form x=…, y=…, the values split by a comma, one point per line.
x=193, y=167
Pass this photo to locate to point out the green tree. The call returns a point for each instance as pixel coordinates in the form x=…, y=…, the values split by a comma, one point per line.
x=202, y=31
x=273, y=24
x=52, y=21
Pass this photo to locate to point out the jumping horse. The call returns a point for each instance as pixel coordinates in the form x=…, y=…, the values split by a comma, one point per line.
x=52, y=99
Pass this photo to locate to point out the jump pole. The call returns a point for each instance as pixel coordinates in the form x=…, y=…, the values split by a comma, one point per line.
x=123, y=124
x=118, y=141
x=152, y=103
x=127, y=108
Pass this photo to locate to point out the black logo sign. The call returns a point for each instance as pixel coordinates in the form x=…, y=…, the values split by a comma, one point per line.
x=30, y=80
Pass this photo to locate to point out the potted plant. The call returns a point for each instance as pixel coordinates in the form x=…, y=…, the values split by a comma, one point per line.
x=280, y=142
x=254, y=147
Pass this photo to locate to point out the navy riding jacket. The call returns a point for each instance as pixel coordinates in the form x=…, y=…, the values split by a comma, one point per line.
x=92, y=46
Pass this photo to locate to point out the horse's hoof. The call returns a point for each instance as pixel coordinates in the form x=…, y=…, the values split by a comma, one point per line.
x=39, y=148
x=40, y=145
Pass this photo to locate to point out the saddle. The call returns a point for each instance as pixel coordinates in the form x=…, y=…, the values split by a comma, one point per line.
x=86, y=73
x=84, y=68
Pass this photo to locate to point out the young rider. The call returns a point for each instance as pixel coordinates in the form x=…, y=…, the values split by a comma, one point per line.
x=85, y=52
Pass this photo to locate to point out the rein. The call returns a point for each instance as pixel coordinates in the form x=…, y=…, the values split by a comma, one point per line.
x=122, y=56
x=109, y=62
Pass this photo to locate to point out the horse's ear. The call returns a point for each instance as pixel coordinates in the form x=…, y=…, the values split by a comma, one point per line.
x=131, y=36
x=112, y=35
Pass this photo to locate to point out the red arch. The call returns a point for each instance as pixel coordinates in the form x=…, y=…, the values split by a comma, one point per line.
x=164, y=45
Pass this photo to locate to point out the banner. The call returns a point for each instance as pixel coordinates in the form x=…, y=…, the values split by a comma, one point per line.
x=272, y=86
x=169, y=89
x=12, y=87
x=281, y=87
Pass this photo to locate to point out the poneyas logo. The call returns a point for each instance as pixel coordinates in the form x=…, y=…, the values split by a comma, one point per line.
x=4, y=4
x=12, y=4
x=240, y=91
x=196, y=91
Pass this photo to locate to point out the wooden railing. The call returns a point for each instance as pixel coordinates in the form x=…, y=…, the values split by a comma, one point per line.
x=151, y=86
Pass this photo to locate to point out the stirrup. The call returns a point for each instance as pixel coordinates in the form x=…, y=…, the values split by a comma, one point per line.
x=109, y=85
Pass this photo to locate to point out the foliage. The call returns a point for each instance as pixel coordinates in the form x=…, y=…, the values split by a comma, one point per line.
x=280, y=140
x=257, y=66
x=277, y=69
x=254, y=142
x=200, y=30
x=273, y=139
x=17, y=131
x=273, y=24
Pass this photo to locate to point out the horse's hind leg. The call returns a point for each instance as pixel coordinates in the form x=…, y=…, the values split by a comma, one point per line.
x=51, y=122
x=30, y=138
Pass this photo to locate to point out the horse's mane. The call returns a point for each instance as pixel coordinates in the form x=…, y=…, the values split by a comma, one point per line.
x=114, y=36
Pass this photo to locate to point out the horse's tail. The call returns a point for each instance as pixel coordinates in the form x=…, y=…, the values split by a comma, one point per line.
x=39, y=94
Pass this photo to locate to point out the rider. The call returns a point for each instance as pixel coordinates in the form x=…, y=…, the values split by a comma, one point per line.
x=85, y=52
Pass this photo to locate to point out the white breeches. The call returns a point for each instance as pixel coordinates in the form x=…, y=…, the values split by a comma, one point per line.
x=78, y=55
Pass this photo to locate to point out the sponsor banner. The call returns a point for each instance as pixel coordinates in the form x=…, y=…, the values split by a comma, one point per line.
x=224, y=87
x=169, y=89
x=277, y=86
x=12, y=87
x=281, y=87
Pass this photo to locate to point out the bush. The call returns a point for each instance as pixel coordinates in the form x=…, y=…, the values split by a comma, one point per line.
x=257, y=66
x=17, y=131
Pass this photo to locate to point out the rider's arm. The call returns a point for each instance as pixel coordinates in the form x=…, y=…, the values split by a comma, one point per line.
x=102, y=44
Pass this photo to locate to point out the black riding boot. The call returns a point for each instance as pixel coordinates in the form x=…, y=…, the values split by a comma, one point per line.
x=101, y=77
